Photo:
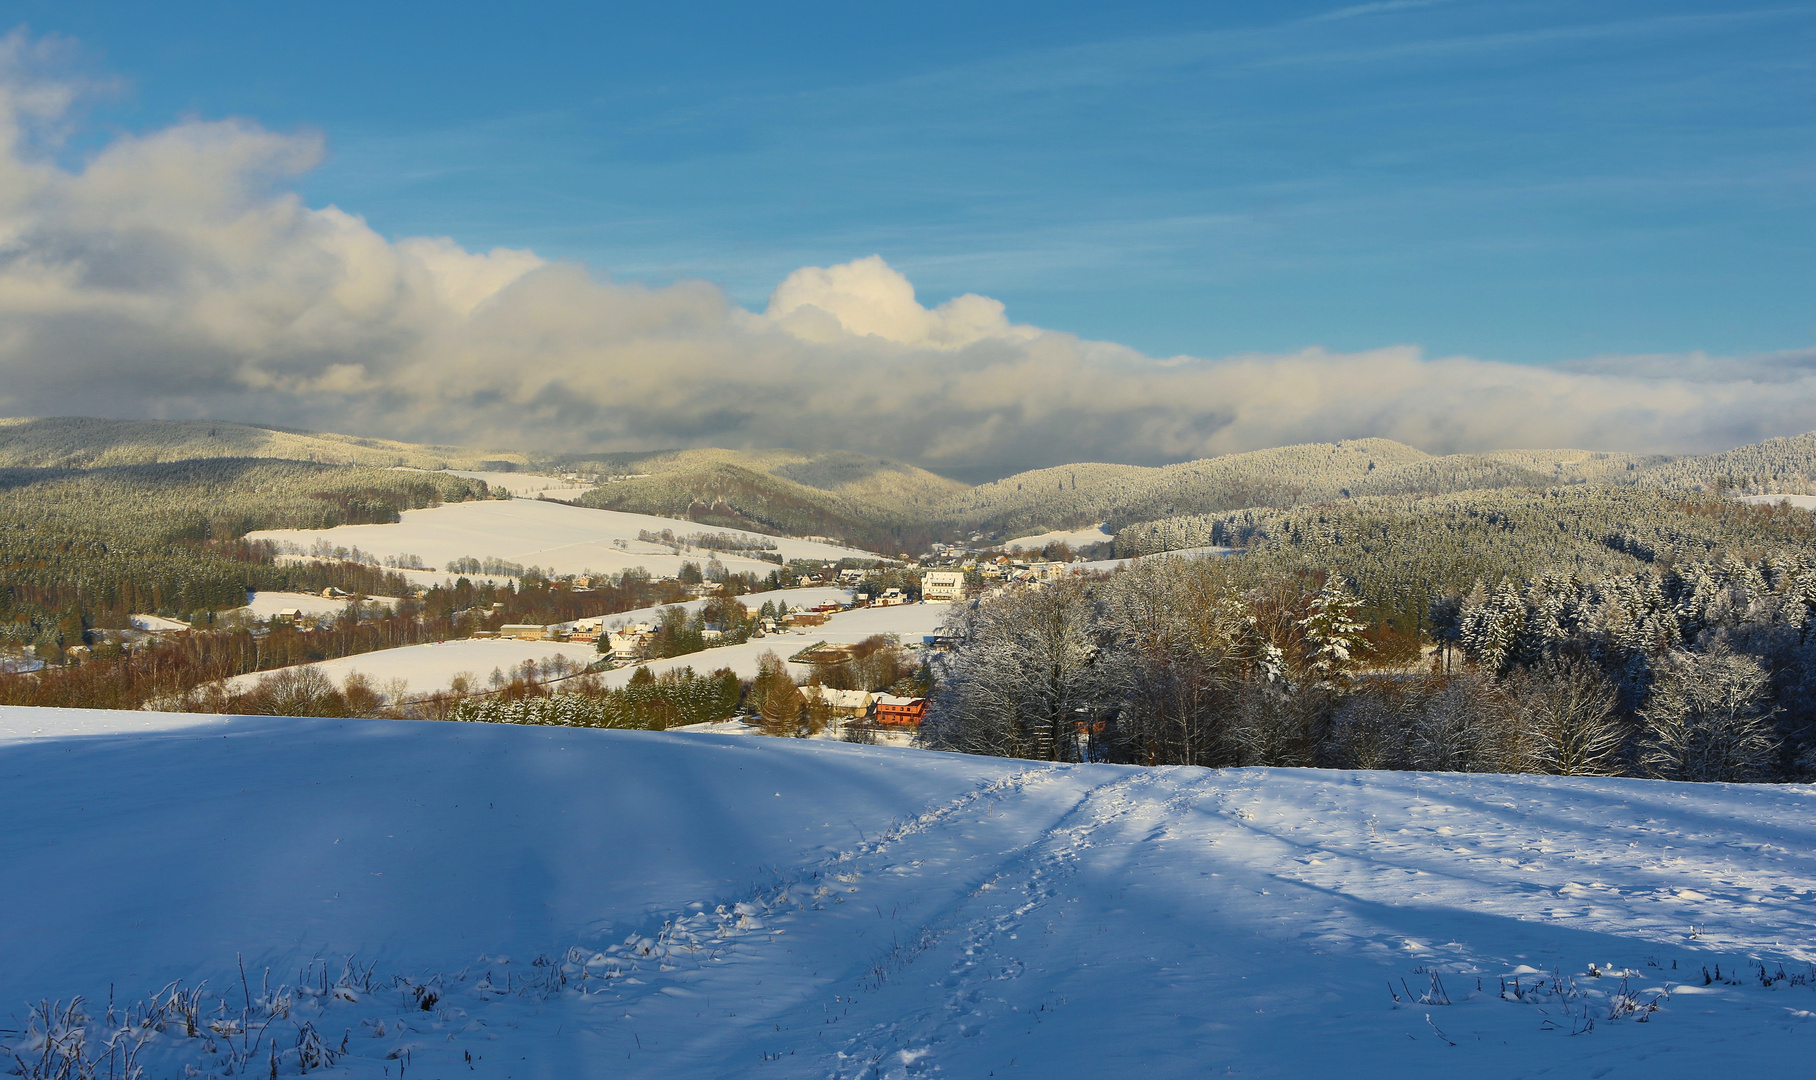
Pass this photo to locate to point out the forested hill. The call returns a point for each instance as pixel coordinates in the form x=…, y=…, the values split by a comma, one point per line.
x=81, y=548
x=1319, y=473
x=874, y=502
x=1073, y=495
x=1776, y=466
x=81, y=442
x=890, y=506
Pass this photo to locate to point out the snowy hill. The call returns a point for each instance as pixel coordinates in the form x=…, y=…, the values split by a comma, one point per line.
x=560, y=538
x=81, y=442
x=563, y=902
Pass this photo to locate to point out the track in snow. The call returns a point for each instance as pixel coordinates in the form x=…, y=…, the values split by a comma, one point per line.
x=621, y=904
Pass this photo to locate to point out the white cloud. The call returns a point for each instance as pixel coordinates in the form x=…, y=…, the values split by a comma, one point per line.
x=869, y=298
x=175, y=274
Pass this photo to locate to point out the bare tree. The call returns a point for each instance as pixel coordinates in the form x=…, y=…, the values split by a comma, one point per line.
x=1462, y=726
x=1025, y=675
x=1566, y=708
x=1273, y=723
x=1371, y=728
x=359, y=696
x=1184, y=639
x=1708, y=719
x=295, y=691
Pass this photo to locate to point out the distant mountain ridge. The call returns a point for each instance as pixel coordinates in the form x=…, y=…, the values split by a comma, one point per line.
x=81, y=442
x=889, y=506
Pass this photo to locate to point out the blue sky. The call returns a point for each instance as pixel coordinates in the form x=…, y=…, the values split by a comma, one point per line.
x=1517, y=181
x=1520, y=182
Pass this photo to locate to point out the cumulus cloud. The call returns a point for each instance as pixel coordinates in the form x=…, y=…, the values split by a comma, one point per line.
x=869, y=298
x=175, y=274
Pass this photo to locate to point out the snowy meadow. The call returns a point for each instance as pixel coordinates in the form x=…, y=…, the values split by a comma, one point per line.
x=560, y=538
x=412, y=898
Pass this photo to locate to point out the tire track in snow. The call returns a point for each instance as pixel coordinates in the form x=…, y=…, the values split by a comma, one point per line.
x=984, y=923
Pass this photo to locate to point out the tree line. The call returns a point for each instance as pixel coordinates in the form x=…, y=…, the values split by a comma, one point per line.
x=219, y=648
x=1702, y=671
x=93, y=546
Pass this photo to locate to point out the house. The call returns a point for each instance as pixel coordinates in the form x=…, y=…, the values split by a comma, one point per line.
x=628, y=644
x=291, y=614
x=524, y=631
x=847, y=703
x=943, y=585
x=804, y=618
x=891, y=711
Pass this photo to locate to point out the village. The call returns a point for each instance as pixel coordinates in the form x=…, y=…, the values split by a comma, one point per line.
x=828, y=607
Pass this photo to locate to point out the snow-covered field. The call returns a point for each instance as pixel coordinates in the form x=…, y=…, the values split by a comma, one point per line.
x=432, y=667
x=428, y=579
x=1802, y=502
x=155, y=624
x=810, y=596
x=578, y=903
x=527, y=485
x=1181, y=553
x=910, y=621
x=264, y=605
x=1074, y=537
x=560, y=538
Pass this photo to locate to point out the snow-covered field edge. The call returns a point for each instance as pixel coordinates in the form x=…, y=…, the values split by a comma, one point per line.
x=470, y=899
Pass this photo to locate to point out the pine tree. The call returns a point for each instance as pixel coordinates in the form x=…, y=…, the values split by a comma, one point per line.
x=1332, y=635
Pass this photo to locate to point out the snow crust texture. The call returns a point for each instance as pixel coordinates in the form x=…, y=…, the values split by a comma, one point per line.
x=523, y=902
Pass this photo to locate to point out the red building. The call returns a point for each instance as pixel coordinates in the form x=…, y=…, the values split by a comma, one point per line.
x=899, y=712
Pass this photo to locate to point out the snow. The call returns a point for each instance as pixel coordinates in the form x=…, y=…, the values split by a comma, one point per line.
x=1802, y=502
x=1180, y=553
x=155, y=624
x=728, y=906
x=428, y=579
x=910, y=622
x=19, y=663
x=559, y=538
x=431, y=667
x=1075, y=538
x=264, y=605
x=527, y=485
x=806, y=597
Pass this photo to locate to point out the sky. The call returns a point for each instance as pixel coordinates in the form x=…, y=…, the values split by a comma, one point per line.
x=1239, y=223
